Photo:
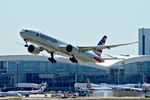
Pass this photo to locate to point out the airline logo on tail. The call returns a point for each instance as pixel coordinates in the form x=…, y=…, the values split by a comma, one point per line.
x=99, y=52
x=102, y=42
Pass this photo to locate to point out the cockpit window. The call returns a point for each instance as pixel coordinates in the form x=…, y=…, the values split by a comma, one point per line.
x=25, y=30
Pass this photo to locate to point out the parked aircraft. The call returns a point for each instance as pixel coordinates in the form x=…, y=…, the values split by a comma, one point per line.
x=4, y=94
x=26, y=93
x=19, y=92
x=52, y=45
x=96, y=87
x=125, y=87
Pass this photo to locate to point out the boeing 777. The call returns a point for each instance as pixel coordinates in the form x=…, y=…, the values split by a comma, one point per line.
x=52, y=45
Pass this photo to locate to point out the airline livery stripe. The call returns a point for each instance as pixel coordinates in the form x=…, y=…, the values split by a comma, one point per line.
x=100, y=51
x=97, y=59
x=97, y=53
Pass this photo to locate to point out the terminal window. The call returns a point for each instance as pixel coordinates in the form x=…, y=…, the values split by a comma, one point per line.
x=143, y=44
x=3, y=64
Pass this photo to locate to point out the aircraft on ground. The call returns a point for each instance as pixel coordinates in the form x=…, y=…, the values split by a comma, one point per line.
x=4, y=94
x=96, y=87
x=17, y=92
x=76, y=53
x=20, y=93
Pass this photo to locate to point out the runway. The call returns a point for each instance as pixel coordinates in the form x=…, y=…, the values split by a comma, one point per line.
x=80, y=98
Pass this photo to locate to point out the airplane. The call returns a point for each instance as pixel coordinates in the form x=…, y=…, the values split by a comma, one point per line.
x=4, y=93
x=125, y=87
x=26, y=93
x=96, y=87
x=76, y=53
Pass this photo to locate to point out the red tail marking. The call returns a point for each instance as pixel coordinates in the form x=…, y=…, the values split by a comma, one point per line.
x=89, y=86
x=97, y=59
x=97, y=54
x=100, y=51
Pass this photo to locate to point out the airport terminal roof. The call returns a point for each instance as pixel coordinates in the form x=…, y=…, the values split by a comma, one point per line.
x=44, y=58
x=132, y=59
x=125, y=60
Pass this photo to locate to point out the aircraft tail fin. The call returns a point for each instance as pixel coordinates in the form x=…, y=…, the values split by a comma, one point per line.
x=89, y=86
x=101, y=42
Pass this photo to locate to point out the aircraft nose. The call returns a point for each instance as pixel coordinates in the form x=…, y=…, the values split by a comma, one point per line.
x=23, y=33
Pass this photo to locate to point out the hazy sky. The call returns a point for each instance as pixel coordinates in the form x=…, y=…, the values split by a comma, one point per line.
x=79, y=22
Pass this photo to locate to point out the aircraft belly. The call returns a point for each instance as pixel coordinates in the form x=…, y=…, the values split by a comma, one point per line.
x=84, y=58
x=50, y=47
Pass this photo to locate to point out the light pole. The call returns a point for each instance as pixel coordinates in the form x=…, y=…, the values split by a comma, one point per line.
x=120, y=71
x=17, y=63
x=118, y=74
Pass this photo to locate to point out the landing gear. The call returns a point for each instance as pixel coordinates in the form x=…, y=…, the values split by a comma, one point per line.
x=26, y=45
x=52, y=60
x=73, y=59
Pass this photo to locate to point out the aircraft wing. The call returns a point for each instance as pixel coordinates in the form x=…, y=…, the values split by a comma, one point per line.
x=109, y=57
x=88, y=48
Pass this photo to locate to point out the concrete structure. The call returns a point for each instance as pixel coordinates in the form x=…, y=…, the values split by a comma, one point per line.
x=144, y=41
x=63, y=74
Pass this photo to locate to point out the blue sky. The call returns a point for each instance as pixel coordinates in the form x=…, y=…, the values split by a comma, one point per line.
x=79, y=22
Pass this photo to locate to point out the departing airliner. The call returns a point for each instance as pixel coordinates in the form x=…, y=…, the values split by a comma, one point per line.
x=76, y=53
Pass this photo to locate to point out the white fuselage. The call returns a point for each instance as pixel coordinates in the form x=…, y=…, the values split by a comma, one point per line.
x=51, y=44
x=20, y=93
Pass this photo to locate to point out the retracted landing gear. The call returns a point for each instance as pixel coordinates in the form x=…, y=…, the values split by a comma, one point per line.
x=73, y=59
x=52, y=60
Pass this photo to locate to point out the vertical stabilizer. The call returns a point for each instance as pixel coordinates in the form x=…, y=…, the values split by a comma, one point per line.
x=101, y=42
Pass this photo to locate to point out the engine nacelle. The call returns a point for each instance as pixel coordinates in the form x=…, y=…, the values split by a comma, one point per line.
x=34, y=50
x=72, y=49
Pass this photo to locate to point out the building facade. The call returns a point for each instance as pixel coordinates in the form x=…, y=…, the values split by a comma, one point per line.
x=64, y=74
x=132, y=70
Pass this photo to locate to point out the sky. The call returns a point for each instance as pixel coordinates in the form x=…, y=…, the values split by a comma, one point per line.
x=78, y=22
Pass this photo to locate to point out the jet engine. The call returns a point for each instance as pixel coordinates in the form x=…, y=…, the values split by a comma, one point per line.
x=72, y=49
x=33, y=49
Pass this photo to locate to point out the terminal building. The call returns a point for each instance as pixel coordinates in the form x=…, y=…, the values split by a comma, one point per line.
x=64, y=74
x=37, y=69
